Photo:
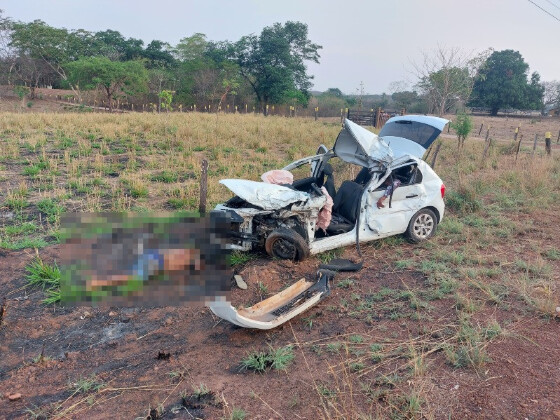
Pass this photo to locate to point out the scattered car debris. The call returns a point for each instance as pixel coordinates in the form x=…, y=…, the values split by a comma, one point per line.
x=14, y=397
x=240, y=282
x=341, y=264
x=293, y=220
x=277, y=309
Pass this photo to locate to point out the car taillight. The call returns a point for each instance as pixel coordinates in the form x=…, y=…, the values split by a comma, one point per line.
x=442, y=189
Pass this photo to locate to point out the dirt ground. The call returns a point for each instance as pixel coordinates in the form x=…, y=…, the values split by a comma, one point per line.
x=147, y=357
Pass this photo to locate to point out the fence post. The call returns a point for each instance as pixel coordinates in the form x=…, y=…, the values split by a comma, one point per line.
x=435, y=156
x=558, y=139
x=488, y=143
x=535, y=143
x=547, y=146
x=518, y=146
x=480, y=131
x=203, y=186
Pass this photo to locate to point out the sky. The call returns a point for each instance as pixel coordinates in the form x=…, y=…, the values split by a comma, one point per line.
x=369, y=43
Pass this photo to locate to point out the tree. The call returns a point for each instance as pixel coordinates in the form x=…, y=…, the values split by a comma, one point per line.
x=503, y=83
x=462, y=126
x=273, y=63
x=405, y=98
x=113, y=45
x=192, y=47
x=32, y=72
x=166, y=97
x=6, y=53
x=446, y=76
x=159, y=55
x=5, y=35
x=113, y=77
x=336, y=92
x=54, y=46
x=551, y=95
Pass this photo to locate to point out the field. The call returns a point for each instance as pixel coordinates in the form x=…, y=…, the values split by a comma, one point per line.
x=463, y=326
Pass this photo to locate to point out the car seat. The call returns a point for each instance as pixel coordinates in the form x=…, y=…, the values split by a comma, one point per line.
x=363, y=177
x=345, y=208
x=329, y=182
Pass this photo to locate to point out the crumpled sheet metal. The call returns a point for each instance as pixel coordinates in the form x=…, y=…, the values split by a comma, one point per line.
x=278, y=177
x=266, y=196
x=277, y=309
x=223, y=309
x=325, y=214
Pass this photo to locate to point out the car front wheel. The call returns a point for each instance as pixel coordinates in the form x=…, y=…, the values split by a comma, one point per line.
x=422, y=226
x=286, y=244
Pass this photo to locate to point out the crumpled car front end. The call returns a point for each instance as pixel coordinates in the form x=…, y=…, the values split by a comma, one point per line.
x=265, y=212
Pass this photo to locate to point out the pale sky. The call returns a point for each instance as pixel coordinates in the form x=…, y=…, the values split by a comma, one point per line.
x=369, y=41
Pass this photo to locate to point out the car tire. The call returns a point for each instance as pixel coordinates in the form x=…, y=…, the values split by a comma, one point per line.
x=286, y=244
x=422, y=226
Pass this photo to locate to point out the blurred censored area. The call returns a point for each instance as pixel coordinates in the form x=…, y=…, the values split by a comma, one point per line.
x=148, y=260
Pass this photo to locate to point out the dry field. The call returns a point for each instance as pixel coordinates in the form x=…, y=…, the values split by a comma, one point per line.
x=463, y=326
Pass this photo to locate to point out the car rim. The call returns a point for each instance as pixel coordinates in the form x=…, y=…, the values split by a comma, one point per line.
x=423, y=226
x=284, y=249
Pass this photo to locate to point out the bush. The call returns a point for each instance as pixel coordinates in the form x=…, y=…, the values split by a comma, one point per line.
x=463, y=201
x=277, y=359
x=462, y=126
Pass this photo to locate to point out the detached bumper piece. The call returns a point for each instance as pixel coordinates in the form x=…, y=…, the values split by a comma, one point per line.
x=277, y=309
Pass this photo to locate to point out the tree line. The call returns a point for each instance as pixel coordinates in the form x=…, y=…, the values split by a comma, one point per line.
x=269, y=68
x=263, y=69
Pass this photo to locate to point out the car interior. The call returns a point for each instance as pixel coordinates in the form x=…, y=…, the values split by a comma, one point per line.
x=347, y=198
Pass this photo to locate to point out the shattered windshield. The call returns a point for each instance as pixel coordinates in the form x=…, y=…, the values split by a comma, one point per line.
x=420, y=133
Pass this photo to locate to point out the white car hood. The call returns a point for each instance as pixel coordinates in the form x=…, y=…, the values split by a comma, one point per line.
x=359, y=146
x=263, y=195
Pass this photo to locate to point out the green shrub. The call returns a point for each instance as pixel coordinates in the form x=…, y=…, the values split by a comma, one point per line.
x=277, y=359
x=463, y=201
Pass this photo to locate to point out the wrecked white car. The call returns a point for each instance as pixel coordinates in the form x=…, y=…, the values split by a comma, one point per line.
x=288, y=220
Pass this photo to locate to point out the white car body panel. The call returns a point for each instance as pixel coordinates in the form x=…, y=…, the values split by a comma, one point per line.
x=359, y=146
x=225, y=310
x=263, y=195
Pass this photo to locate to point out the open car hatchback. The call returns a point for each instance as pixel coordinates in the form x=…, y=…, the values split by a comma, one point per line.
x=284, y=218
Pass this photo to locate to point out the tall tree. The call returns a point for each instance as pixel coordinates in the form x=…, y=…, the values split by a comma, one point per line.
x=32, y=72
x=446, y=76
x=6, y=53
x=113, y=77
x=158, y=54
x=551, y=95
x=503, y=83
x=52, y=45
x=113, y=45
x=273, y=63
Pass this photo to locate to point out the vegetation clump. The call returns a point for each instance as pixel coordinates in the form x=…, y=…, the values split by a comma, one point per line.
x=261, y=361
